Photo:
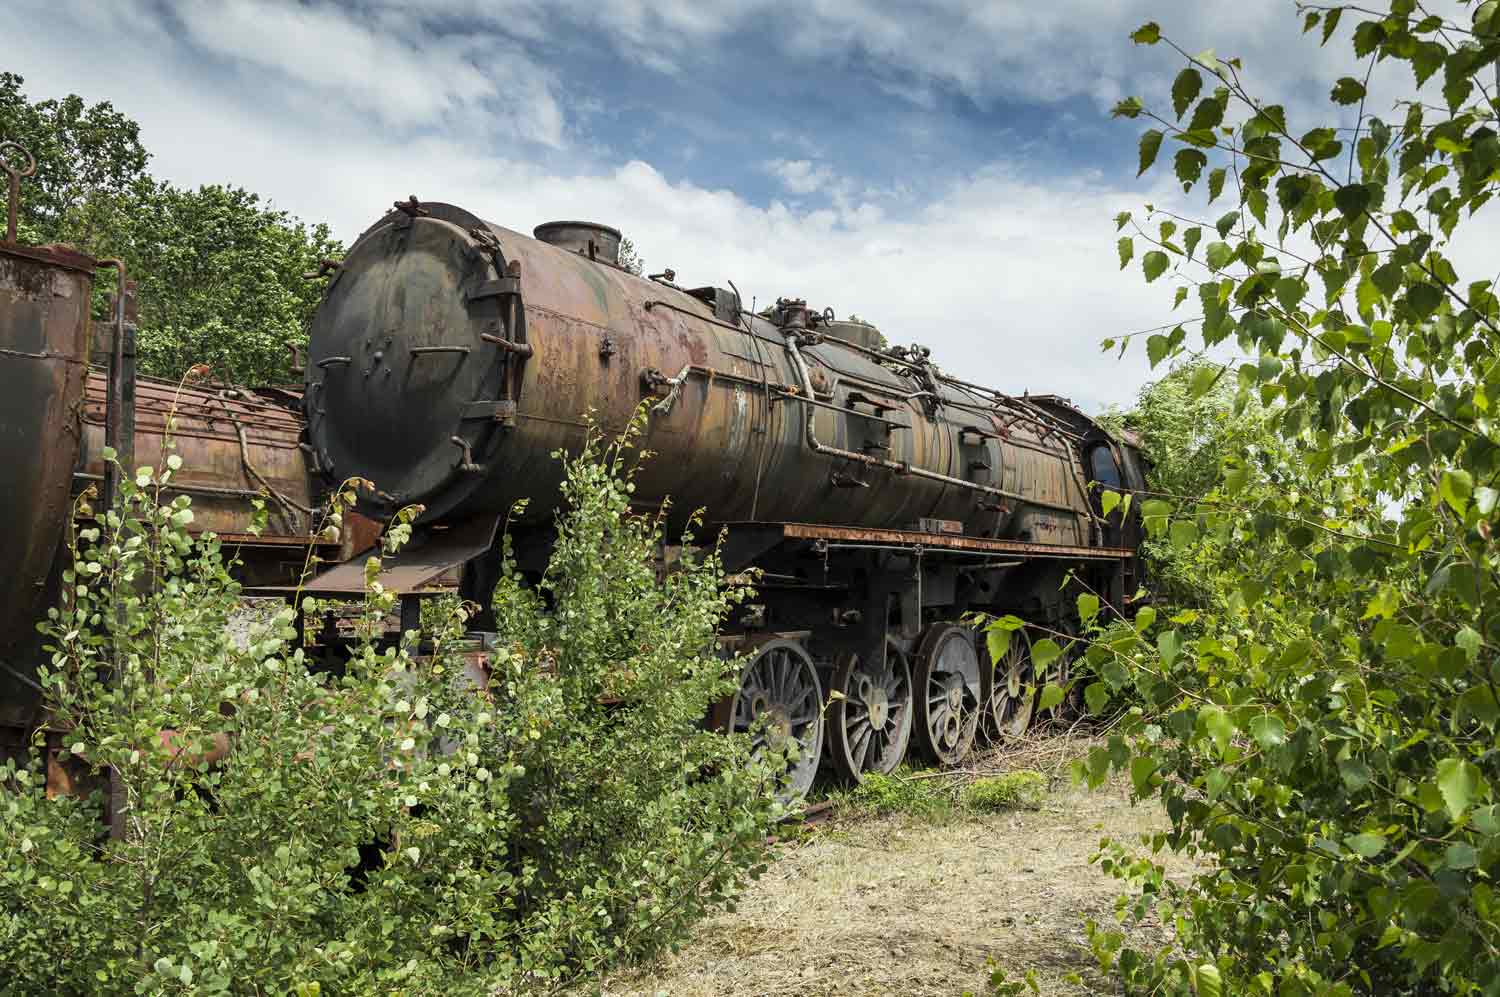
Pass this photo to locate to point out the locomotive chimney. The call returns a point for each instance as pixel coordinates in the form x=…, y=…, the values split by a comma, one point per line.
x=597, y=242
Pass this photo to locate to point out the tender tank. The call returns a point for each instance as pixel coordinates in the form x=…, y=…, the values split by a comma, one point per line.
x=450, y=357
x=44, y=339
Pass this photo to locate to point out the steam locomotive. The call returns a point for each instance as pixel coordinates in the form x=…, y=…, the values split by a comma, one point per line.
x=881, y=499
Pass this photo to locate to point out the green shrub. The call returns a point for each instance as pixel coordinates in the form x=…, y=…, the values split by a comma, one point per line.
x=1021, y=789
x=385, y=826
x=634, y=819
x=1320, y=723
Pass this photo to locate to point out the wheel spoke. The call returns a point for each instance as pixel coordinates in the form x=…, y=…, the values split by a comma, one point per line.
x=853, y=730
x=863, y=750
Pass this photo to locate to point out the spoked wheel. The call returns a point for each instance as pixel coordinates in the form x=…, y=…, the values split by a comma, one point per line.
x=947, y=681
x=1061, y=673
x=780, y=698
x=869, y=728
x=1009, y=704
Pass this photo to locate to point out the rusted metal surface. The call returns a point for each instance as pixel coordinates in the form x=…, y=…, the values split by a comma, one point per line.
x=44, y=329
x=754, y=419
x=234, y=446
x=119, y=403
x=414, y=569
x=944, y=541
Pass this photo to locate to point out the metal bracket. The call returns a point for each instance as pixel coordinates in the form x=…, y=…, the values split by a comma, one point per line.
x=499, y=287
x=502, y=411
x=655, y=382
x=411, y=207
x=979, y=434
x=325, y=267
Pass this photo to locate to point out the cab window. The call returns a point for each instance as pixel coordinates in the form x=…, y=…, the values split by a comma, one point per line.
x=1102, y=467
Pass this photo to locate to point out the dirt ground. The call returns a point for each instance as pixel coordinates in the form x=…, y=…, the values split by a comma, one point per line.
x=889, y=906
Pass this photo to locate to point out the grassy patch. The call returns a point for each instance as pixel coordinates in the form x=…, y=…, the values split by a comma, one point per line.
x=873, y=906
x=1021, y=789
x=898, y=793
x=932, y=798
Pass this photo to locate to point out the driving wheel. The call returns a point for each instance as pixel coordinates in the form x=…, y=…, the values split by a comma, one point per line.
x=1009, y=694
x=947, y=682
x=781, y=700
x=869, y=728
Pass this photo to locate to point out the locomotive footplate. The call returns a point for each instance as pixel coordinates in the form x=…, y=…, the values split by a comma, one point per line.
x=761, y=537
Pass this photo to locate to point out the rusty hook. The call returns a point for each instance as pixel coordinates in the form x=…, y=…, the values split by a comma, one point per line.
x=522, y=350
x=16, y=173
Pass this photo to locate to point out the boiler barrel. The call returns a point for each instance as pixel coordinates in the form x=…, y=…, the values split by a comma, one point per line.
x=451, y=357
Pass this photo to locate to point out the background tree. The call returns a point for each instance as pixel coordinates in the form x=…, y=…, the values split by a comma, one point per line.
x=629, y=260
x=88, y=157
x=220, y=278
x=1324, y=731
x=219, y=272
x=1186, y=422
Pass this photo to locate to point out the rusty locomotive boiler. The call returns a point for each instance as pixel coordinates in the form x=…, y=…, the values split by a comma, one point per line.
x=71, y=391
x=881, y=498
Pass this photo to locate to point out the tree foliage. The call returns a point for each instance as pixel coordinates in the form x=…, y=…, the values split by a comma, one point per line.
x=220, y=280
x=629, y=259
x=385, y=823
x=1185, y=422
x=86, y=156
x=1323, y=729
x=219, y=272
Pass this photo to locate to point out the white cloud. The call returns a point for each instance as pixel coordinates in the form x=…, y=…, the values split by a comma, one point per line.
x=800, y=176
x=390, y=66
x=1011, y=281
x=987, y=50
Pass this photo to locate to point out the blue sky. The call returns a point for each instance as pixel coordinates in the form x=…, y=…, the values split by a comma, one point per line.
x=945, y=169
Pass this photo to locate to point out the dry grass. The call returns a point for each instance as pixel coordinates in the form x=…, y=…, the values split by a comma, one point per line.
x=892, y=906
